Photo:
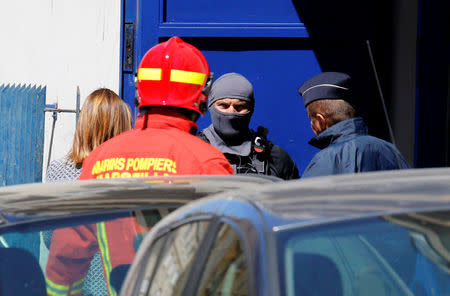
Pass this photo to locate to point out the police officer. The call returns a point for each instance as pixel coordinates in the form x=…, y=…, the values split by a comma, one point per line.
x=231, y=105
x=342, y=136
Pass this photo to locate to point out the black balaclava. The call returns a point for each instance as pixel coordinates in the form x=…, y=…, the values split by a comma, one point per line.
x=231, y=127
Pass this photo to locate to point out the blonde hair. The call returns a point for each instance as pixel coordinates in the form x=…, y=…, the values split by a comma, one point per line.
x=104, y=115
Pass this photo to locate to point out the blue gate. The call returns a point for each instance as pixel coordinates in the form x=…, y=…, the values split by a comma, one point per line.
x=21, y=133
x=264, y=40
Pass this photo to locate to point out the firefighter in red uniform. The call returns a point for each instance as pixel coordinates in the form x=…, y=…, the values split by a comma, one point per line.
x=173, y=82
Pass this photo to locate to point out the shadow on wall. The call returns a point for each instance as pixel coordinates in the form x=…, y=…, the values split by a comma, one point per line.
x=338, y=33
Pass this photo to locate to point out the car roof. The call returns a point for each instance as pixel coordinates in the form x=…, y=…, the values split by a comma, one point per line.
x=343, y=197
x=57, y=199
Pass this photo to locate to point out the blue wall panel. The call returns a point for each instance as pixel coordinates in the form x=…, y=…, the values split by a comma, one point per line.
x=22, y=133
x=275, y=75
x=260, y=12
x=264, y=40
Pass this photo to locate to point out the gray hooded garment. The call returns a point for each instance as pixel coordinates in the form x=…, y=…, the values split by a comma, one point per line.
x=230, y=133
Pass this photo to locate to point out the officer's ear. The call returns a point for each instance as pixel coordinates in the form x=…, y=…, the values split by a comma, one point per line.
x=319, y=123
x=323, y=121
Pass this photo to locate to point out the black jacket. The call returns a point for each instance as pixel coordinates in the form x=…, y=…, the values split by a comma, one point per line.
x=264, y=158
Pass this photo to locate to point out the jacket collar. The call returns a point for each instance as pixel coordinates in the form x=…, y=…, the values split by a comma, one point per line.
x=242, y=148
x=165, y=119
x=341, y=131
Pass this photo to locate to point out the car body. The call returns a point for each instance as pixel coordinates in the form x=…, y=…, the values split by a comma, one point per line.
x=33, y=216
x=380, y=233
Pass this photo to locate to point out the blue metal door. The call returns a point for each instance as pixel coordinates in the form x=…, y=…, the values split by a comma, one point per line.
x=264, y=40
x=21, y=133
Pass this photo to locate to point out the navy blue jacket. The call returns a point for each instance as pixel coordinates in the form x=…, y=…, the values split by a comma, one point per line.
x=347, y=148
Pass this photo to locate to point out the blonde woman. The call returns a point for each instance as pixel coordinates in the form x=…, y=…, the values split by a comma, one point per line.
x=104, y=115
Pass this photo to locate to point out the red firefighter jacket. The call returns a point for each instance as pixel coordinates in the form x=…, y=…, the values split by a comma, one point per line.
x=160, y=145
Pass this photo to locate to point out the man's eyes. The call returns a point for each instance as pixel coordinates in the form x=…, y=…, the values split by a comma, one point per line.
x=240, y=107
x=235, y=107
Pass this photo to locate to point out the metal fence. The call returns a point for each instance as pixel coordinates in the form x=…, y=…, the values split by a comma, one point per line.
x=21, y=133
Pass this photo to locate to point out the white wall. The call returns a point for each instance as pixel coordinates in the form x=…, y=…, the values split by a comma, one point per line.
x=61, y=44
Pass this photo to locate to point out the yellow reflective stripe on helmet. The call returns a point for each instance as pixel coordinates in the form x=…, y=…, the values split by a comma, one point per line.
x=187, y=77
x=149, y=74
x=55, y=289
x=104, y=250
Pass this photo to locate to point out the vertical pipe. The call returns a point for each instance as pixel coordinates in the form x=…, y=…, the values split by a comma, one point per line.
x=77, y=110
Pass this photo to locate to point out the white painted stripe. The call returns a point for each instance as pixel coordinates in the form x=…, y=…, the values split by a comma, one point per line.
x=320, y=85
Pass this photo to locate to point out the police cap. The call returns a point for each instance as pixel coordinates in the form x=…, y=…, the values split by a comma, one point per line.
x=326, y=85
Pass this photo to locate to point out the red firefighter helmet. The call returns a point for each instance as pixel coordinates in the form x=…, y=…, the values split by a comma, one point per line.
x=174, y=73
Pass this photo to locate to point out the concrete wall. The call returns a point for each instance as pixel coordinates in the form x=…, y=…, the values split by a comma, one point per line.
x=61, y=44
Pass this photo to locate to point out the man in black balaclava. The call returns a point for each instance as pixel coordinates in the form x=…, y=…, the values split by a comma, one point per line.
x=231, y=105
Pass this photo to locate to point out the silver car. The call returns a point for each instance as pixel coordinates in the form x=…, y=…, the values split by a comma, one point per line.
x=383, y=233
x=79, y=238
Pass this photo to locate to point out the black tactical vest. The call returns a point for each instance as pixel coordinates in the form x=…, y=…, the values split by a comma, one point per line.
x=257, y=161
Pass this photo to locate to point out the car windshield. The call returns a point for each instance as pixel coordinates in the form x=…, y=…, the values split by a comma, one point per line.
x=85, y=255
x=392, y=255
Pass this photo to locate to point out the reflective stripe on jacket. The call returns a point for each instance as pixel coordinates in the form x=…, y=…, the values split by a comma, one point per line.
x=73, y=248
x=160, y=145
